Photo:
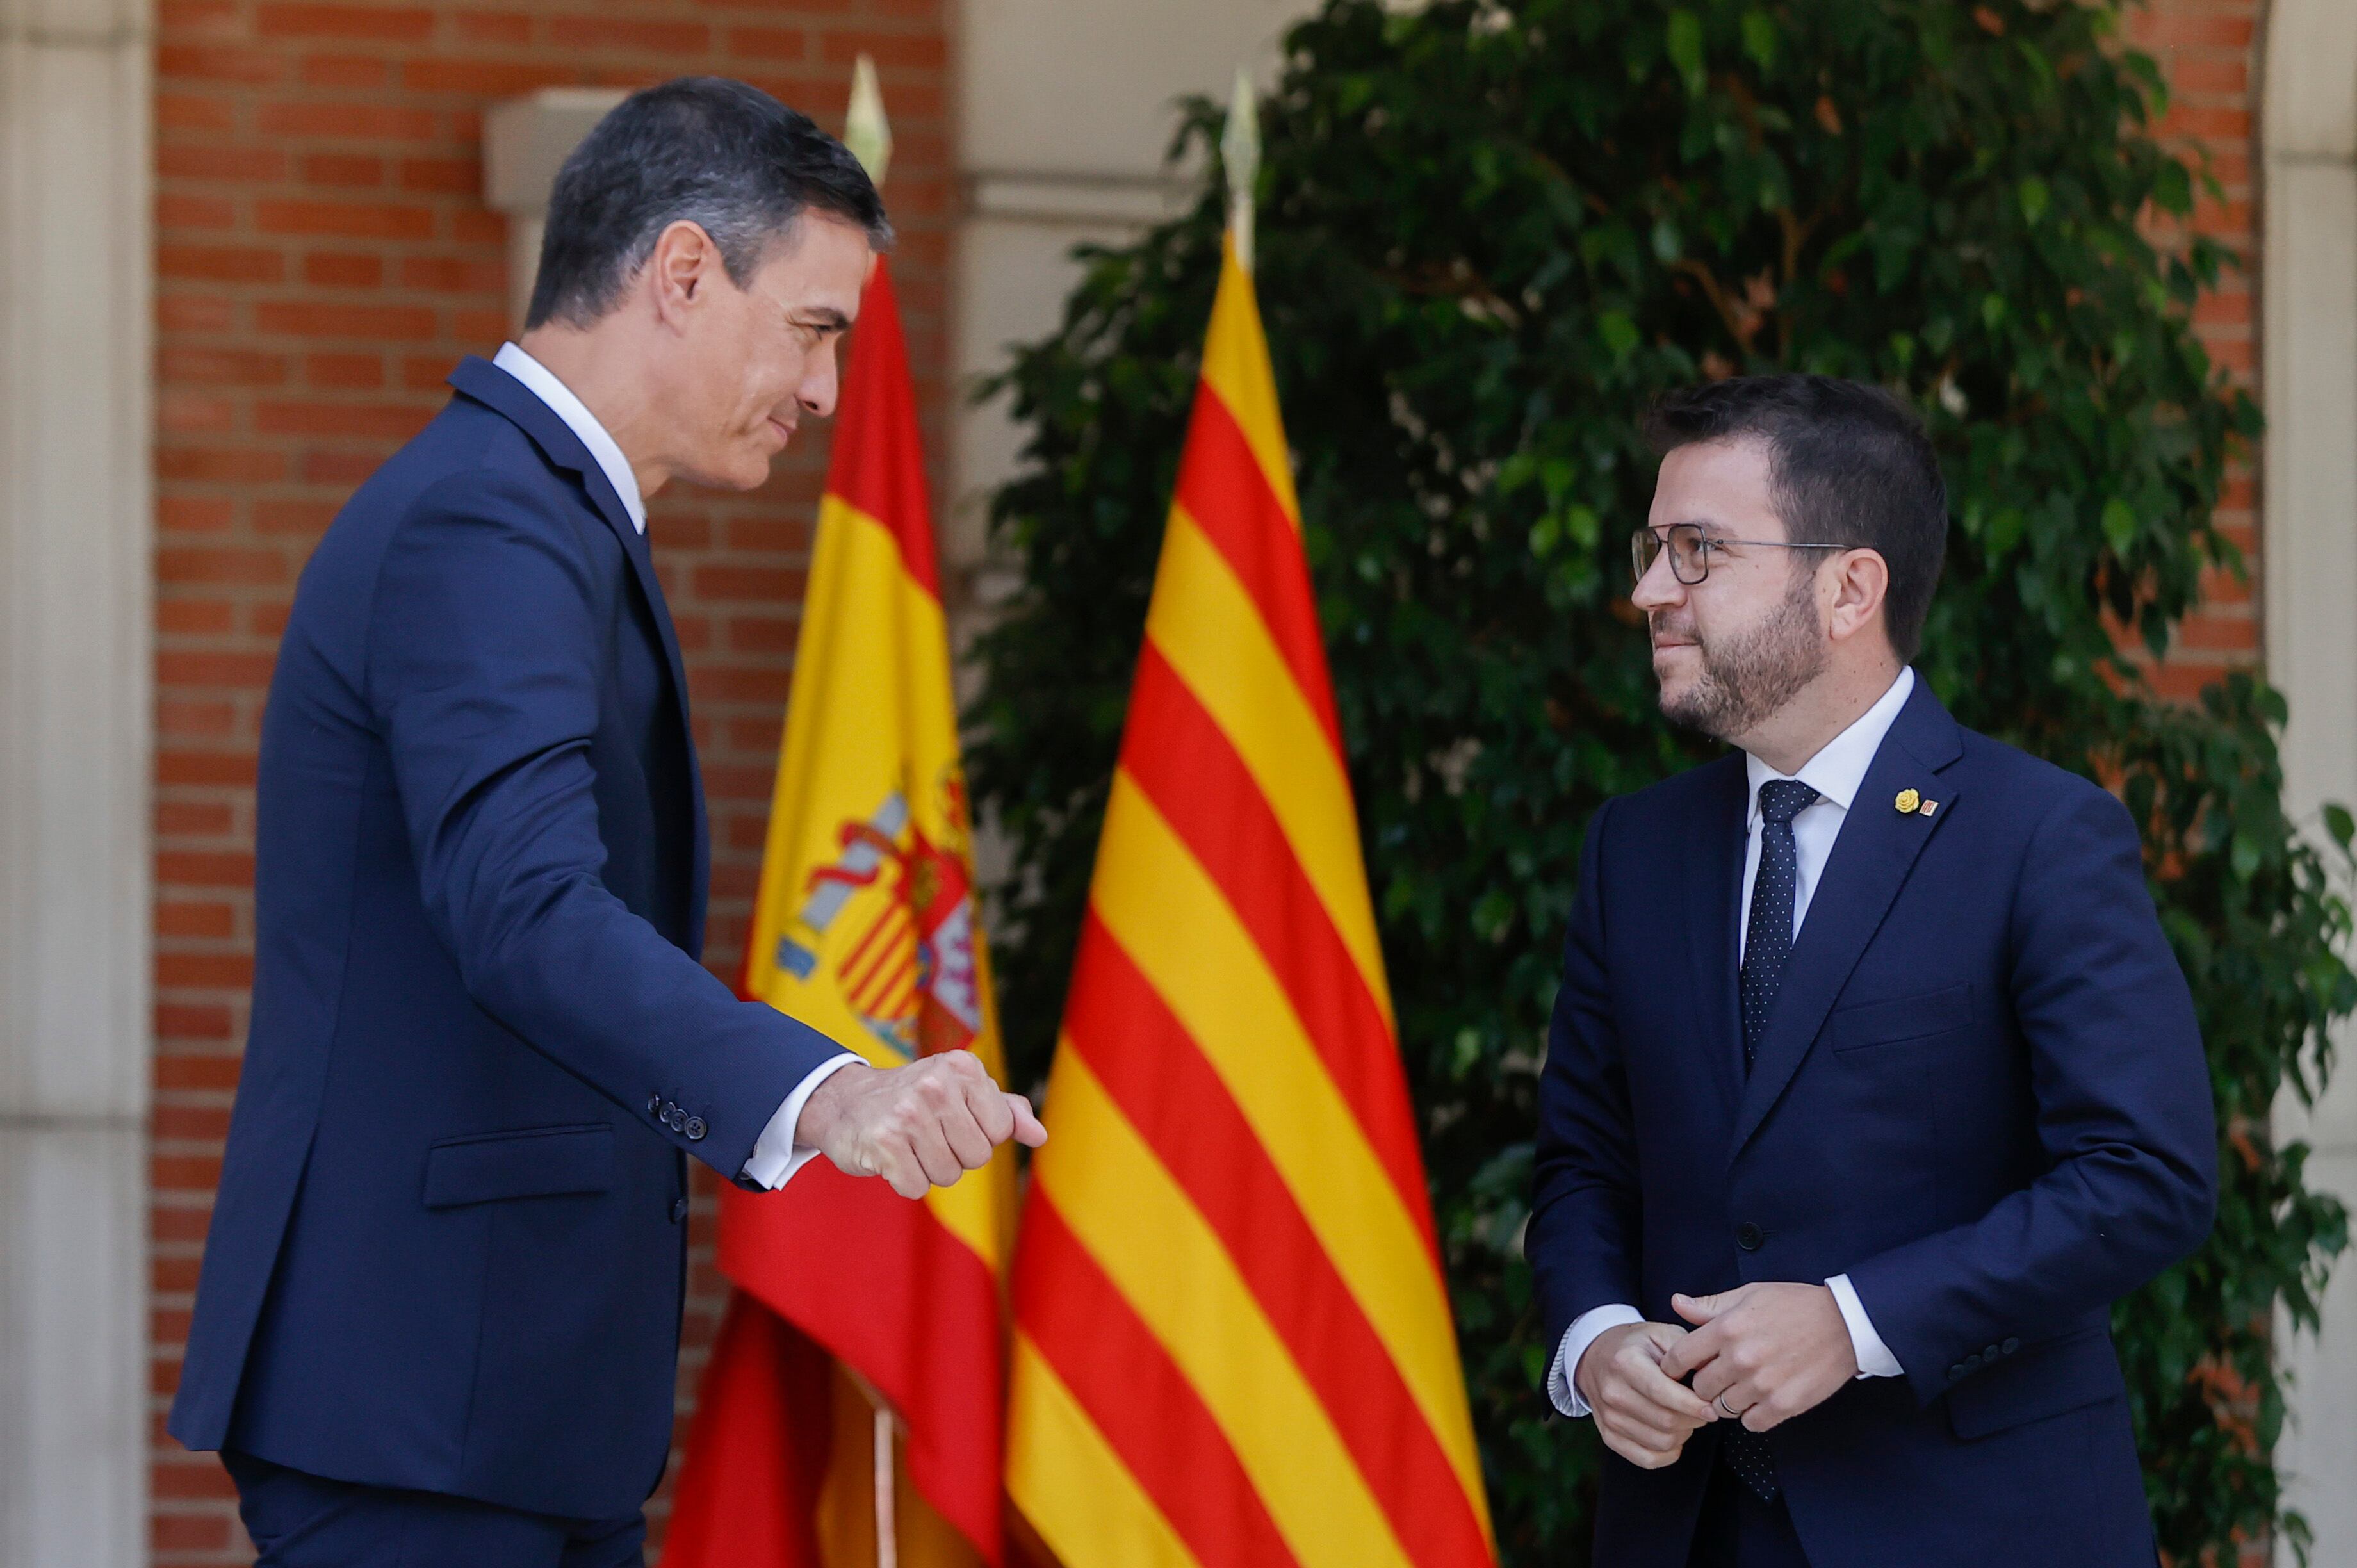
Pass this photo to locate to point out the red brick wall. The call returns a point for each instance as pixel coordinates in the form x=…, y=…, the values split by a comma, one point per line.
x=2210, y=50
x=323, y=257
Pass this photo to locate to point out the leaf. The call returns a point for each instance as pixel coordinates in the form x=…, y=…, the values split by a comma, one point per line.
x=1759, y=38
x=2119, y=526
x=1684, y=43
x=2034, y=196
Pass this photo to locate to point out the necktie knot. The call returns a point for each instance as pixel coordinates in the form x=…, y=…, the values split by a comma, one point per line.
x=1782, y=800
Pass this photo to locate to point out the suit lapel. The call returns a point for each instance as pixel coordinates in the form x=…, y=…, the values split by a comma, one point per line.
x=1713, y=876
x=1870, y=861
x=488, y=384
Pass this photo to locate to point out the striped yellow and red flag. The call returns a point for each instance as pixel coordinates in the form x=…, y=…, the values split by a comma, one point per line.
x=851, y=1412
x=1232, y=1345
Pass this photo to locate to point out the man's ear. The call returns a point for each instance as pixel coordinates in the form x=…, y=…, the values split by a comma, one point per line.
x=681, y=269
x=1861, y=580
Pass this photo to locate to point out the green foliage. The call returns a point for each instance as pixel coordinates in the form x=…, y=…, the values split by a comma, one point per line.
x=1488, y=234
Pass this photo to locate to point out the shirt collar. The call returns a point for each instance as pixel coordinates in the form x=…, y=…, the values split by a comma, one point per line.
x=575, y=413
x=1838, y=768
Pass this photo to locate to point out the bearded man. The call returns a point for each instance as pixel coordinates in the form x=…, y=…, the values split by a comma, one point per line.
x=1872, y=1083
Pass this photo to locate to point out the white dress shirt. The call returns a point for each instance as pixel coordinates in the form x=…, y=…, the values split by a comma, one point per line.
x=1835, y=772
x=776, y=1157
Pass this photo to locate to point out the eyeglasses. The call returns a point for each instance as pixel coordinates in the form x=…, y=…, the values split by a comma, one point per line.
x=1690, y=548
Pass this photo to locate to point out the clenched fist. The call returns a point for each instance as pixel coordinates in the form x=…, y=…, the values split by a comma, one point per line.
x=921, y=1125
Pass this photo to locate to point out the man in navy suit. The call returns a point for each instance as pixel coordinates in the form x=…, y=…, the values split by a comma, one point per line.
x=1872, y=1082
x=438, y=1321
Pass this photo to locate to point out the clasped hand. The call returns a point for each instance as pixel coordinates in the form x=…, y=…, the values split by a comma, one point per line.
x=1764, y=1352
x=921, y=1125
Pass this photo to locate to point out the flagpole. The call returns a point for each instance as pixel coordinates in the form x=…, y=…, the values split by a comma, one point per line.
x=1239, y=153
x=868, y=135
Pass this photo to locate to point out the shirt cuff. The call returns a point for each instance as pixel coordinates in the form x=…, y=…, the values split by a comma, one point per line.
x=1874, y=1357
x=1576, y=1341
x=776, y=1156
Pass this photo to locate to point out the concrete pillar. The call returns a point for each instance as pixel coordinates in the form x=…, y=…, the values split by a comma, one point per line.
x=2309, y=302
x=75, y=599
x=525, y=141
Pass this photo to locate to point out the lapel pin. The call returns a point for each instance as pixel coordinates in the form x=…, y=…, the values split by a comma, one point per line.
x=1907, y=800
x=1930, y=807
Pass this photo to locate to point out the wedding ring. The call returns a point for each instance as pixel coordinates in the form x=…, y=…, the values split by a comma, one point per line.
x=1720, y=1401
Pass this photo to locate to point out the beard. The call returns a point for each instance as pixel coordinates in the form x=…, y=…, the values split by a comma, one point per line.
x=1747, y=675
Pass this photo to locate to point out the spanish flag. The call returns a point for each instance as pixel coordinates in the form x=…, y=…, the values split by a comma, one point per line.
x=851, y=1414
x=1232, y=1345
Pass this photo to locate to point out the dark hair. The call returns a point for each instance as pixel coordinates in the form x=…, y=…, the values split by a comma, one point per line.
x=719, y=153
x=1848, y=464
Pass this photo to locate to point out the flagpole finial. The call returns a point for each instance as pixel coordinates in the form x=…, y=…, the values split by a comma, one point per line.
x=1240, y=150
x=865, y=130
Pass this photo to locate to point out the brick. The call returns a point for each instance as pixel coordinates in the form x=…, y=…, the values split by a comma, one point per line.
x=193, y=413
x=193, y=111
x=301, y=518
x=594, y=32
x=455, y=274
x=220, y=367
x=185, y=617
x=219, y=62
x=910, y=51
x=457, y=175
x=344, y=73
x=213, y=668
x=185, y=564
x=194, y=818
x=384, y=24
x=768, y=585
x=348, y=121
x=375, y=323
x=360, y=220
x=478, y=27
x=178, y=719
x=186, y=161
x=338, y=269
x=178, y=18
x=343, y=170
x=483, y=79
x=180, y=209
x=225, y=464
x=769, y=43
x=232, y=768
x=220, y=263
x=395, y=422
x=344, y=372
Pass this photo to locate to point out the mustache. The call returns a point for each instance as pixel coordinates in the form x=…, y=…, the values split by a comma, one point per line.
x=1676, y=628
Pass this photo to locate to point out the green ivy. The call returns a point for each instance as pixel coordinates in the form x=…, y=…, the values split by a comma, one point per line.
x=1488, y=234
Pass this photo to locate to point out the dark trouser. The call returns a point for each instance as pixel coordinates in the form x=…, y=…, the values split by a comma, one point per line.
x=304, y=1521
x=1738, y=1530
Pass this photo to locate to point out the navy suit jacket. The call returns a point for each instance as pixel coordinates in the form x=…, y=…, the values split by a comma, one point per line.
x=1981, y=1095
x=449, y=1249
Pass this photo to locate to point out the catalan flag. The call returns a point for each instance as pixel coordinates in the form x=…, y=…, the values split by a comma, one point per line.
x=1232, y=1345
x=851, y=1412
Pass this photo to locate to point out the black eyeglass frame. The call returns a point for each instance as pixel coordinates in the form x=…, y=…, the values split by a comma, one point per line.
x=1642, y=558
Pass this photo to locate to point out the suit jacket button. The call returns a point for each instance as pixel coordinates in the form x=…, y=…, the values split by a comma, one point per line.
x=1991, y=1354
x=675, y=1118
x=678, y=1210
x=694, y=1129
x=1748, y=1235
x=655, y=1105
x=2010, y=1346
x=1957, y=1372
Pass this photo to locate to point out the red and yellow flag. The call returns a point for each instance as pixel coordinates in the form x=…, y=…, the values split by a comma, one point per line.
x=1232, y=1343
x=864, y=929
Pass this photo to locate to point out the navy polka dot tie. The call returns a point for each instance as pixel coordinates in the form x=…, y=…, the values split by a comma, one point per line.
x=1767, y=950
x=1767, y=936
